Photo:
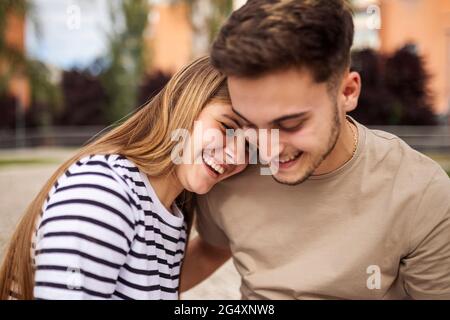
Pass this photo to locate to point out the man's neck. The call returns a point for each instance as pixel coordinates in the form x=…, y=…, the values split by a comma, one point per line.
x=343, y=150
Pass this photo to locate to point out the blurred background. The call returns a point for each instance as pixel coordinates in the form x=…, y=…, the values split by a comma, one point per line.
x=70, y=68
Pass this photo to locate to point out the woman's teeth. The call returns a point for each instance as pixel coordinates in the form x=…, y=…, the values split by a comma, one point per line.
x=290, y=158
x=212, y=163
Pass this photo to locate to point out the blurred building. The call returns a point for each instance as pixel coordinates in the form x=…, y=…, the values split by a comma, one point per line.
x=387, y=25
x=14, y=33
x=177, y=32
x=384, y=25
x=176, y=36
x=425, y=23
x=170, y=36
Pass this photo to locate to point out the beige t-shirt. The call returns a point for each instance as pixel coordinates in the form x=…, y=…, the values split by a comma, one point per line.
x=376, y=228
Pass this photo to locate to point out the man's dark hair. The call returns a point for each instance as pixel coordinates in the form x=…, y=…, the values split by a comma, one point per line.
x=271, y=35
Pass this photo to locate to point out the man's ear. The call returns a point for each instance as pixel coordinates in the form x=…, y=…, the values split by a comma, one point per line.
x=351, y=89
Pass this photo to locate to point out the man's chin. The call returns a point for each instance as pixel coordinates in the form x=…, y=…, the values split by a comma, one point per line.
x=297, y=174
x=291, y=179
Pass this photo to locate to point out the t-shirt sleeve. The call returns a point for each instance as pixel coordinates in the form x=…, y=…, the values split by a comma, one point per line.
x=206, y=222
x=84, y=235
x=426, y=269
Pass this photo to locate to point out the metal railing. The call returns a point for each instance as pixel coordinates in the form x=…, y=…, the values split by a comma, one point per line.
x=422, y=138
x=48, y=137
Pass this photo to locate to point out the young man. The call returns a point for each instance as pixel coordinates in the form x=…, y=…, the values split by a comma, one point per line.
x=352, y=213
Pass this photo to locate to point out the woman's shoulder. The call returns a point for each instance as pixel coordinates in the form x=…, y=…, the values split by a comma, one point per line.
x=108, y=170
x=95, y=166
x=95, y=173
x=89, y=188
x=107, y=161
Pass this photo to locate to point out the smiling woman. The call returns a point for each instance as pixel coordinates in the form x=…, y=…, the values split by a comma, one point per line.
x=112, y=222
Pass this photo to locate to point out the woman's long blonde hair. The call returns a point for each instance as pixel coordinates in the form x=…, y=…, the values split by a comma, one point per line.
x=145, y=139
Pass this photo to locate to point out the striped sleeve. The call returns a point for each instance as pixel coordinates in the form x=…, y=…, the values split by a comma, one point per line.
x=84, y=234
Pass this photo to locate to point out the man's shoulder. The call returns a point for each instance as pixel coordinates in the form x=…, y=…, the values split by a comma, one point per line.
x=410, y=169
x=386, y=147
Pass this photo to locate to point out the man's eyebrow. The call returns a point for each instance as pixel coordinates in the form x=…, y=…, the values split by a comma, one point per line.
x=290, y=116
x=240, y=115
x=277, y=120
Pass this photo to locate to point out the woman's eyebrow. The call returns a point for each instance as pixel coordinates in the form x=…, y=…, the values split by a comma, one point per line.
x=241, y=116
x=232, y=119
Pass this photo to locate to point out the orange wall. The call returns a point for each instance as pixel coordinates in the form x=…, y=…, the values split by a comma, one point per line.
x=426, y=23
x=15, y=32
x=15, y=38
x=170, y=39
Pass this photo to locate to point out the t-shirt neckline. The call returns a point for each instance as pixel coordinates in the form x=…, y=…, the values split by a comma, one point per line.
x=175, y=217
x=349, y=164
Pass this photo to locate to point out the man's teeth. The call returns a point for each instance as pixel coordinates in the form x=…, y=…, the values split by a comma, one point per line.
x=290, y=158
x=211, y=162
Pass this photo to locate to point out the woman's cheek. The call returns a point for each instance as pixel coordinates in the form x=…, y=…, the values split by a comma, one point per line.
x=240, y=168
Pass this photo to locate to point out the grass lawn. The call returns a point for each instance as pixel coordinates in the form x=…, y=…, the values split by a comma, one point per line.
x=21, y=161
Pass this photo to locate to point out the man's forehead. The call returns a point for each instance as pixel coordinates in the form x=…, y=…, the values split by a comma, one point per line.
x=288, y=74
x=286, y=95
x=252, y=115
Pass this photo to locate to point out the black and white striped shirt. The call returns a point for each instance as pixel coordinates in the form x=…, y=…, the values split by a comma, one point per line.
x=104, y=234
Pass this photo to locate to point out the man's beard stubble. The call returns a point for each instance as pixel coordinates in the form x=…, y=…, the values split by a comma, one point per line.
x=335, y=129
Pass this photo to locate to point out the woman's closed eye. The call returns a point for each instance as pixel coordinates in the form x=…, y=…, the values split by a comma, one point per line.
x=231, y=131
x=228, y=128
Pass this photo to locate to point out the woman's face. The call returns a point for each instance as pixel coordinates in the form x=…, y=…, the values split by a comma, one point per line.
x=214, y=156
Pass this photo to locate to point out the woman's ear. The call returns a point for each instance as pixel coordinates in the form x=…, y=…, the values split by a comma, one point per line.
x=351, y=89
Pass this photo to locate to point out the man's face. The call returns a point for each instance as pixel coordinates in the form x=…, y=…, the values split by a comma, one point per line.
x=307, y=115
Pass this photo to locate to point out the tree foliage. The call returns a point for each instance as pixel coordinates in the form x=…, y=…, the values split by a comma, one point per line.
x=125, y=62
x=15, y=63
x=395, y=88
